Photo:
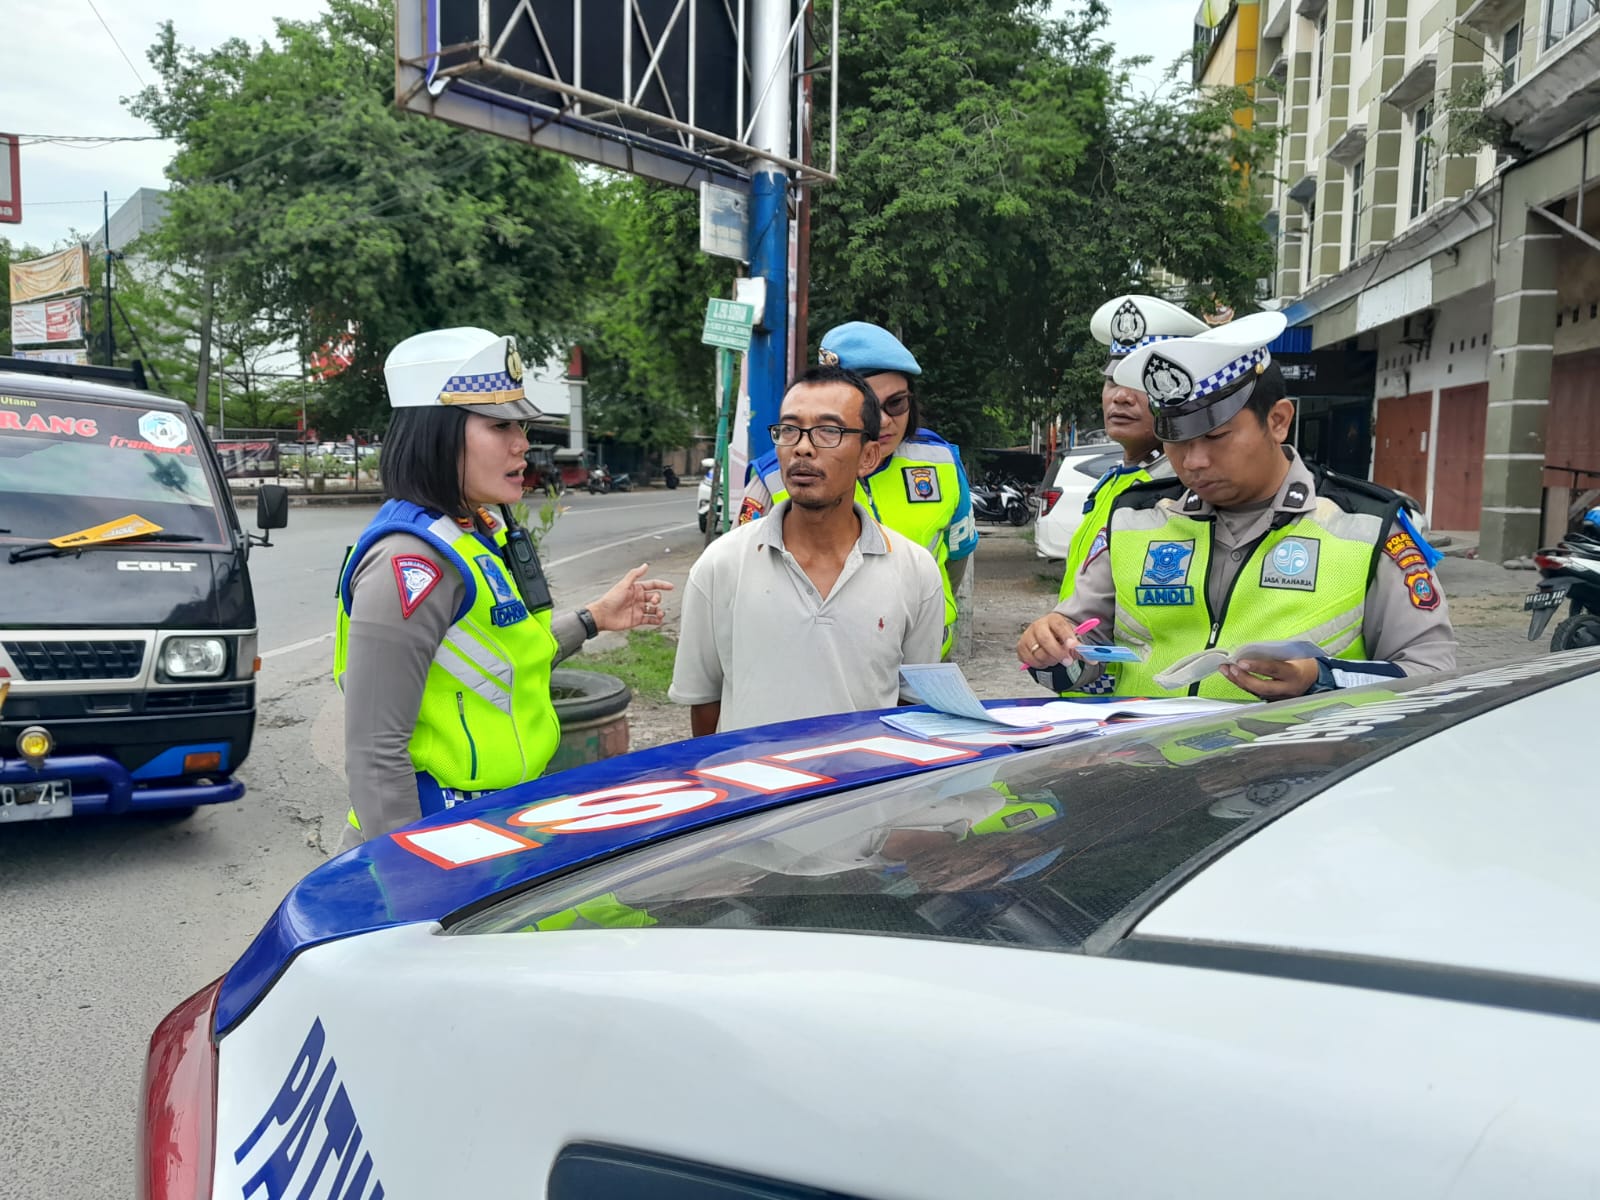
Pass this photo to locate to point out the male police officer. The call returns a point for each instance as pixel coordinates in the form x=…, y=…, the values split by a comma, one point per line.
x=1248, y=544
x=1123, y=324
x=920, y=488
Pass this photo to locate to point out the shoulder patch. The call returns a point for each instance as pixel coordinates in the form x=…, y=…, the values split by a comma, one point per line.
x=750, y=510
x=1097, y=547
x=1404, y=551
x=415, y=577
x=1421, y=590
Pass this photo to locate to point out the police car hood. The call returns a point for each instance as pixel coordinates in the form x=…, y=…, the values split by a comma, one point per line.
x=464, y=858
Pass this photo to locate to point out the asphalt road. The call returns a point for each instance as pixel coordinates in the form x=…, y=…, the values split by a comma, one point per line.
x=105, y=925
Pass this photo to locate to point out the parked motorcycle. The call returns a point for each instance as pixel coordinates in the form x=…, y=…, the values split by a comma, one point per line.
x=1569, y=574
x=1002, y=502
x=601, y=481
x=670, y=478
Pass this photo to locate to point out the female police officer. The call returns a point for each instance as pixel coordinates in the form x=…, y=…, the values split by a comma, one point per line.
x=920, y=489
x=444, y=663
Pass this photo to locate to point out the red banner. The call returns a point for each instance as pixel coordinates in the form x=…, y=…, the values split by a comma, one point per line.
x=48, y=322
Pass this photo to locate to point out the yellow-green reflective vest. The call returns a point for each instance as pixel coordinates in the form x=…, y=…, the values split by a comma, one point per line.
x=1095, y=520
x=486, y=720
x=916, y=493
x=1307, y=579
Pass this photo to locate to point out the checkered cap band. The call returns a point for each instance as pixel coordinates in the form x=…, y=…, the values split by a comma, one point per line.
x=1230, y=374
x=495, y=381
x=1123, y=349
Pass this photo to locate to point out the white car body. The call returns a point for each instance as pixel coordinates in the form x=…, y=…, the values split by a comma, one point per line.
x=1073, y=474
x=1377, y=976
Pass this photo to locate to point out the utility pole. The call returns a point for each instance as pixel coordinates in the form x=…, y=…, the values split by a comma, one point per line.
x=202, y=383
x=111, y=332
x=772, y=86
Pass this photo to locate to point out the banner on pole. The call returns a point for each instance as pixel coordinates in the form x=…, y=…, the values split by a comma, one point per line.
x=53, y=275
x=77, y=357
x=48, y=322
x=248, y=459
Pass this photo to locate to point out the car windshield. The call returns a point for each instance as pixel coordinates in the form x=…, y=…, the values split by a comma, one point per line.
x=1034, y=849
x=67, y=466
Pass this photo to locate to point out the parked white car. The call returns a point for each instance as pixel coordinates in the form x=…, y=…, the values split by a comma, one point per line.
x=1068, y=481
x=1337, y=946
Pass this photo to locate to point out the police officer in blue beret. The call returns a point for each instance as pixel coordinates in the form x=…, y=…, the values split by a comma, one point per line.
x=921, y=488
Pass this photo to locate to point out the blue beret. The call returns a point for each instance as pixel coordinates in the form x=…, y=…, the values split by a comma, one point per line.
x=866, y=349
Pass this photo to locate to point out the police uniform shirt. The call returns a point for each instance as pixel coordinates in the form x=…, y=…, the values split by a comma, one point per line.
x=757, y=636
x=394, y=634
x=1397, y=626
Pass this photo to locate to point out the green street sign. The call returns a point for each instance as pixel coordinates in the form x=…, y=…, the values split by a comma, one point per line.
x=728, y=324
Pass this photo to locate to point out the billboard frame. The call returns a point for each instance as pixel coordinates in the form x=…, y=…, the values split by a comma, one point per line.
x=673, y=150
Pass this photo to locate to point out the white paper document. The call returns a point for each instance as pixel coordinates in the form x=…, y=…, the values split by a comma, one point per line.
x=943, y=687
x=1192, y=668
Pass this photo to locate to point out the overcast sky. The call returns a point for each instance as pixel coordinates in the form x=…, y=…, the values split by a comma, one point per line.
x=62, y=184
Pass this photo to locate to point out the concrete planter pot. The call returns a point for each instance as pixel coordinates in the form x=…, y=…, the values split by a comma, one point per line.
x=593, y=711
x=319, y=483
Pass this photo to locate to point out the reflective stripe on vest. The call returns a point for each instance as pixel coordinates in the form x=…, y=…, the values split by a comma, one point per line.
x=1306, y=580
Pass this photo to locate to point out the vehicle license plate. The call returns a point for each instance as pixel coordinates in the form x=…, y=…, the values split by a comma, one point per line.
x=35, y=801
x=1550, y=599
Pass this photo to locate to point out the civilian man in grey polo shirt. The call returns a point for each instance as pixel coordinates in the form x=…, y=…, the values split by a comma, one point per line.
x=814, y=609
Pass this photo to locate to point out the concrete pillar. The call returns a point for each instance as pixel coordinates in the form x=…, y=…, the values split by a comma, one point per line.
x=1519, y=383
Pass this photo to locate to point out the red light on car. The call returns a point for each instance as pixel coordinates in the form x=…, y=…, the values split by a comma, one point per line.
x=1049, y=496
x=178, y=1103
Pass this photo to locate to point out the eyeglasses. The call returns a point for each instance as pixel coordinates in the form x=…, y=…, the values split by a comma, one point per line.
x=896, y=405
x=823, y=437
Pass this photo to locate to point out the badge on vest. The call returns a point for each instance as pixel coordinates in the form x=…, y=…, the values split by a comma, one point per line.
x=1166, y=574
x=507, y=610
x=922, y=484
x=1292, y=565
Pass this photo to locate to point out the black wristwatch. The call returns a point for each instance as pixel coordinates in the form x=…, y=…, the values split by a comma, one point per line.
x=590, y=629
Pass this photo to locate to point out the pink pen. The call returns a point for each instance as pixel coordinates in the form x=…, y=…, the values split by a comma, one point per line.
x=1091, y=623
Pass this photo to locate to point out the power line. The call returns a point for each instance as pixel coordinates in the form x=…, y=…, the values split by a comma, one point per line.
x=85, y=141
x=116, y=43
x=64, y=203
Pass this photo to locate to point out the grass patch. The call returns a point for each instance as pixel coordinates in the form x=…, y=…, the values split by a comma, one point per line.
x=644, y=664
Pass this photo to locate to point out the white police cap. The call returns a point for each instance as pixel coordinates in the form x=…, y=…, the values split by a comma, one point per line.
x=466, y=367
x=1197, y=383
x=1124, y=323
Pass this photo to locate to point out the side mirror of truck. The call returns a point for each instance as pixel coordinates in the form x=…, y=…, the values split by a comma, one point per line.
x=272, y=511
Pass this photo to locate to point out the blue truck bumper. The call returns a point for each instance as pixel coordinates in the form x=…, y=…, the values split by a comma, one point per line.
x=102, y=785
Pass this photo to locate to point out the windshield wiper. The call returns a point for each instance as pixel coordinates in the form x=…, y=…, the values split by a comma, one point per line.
x=51, y=550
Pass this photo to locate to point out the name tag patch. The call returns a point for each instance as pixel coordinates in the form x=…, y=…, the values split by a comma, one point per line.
x=1292, y=565
x=922, y=484
x=1165, y=580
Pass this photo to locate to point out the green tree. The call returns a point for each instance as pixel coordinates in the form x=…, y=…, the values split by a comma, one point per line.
x=9, y=252
x=651, y=382
x=313, y=206
x=1000, y=177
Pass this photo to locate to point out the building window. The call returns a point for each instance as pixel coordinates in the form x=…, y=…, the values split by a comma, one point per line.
x=1562, y=17
x=1366, y=19
x=1322, y=39
x=1421, y=159
x=1510, y=55
x=1357, y=178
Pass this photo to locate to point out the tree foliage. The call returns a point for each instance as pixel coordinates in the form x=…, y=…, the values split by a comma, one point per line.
x=317, y=207
x=1000, y=177
x=651, y=382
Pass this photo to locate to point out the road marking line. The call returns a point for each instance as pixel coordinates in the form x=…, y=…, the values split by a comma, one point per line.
x=293, y=646
x=584, y=512
x=322, y=637
x=623, y=542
